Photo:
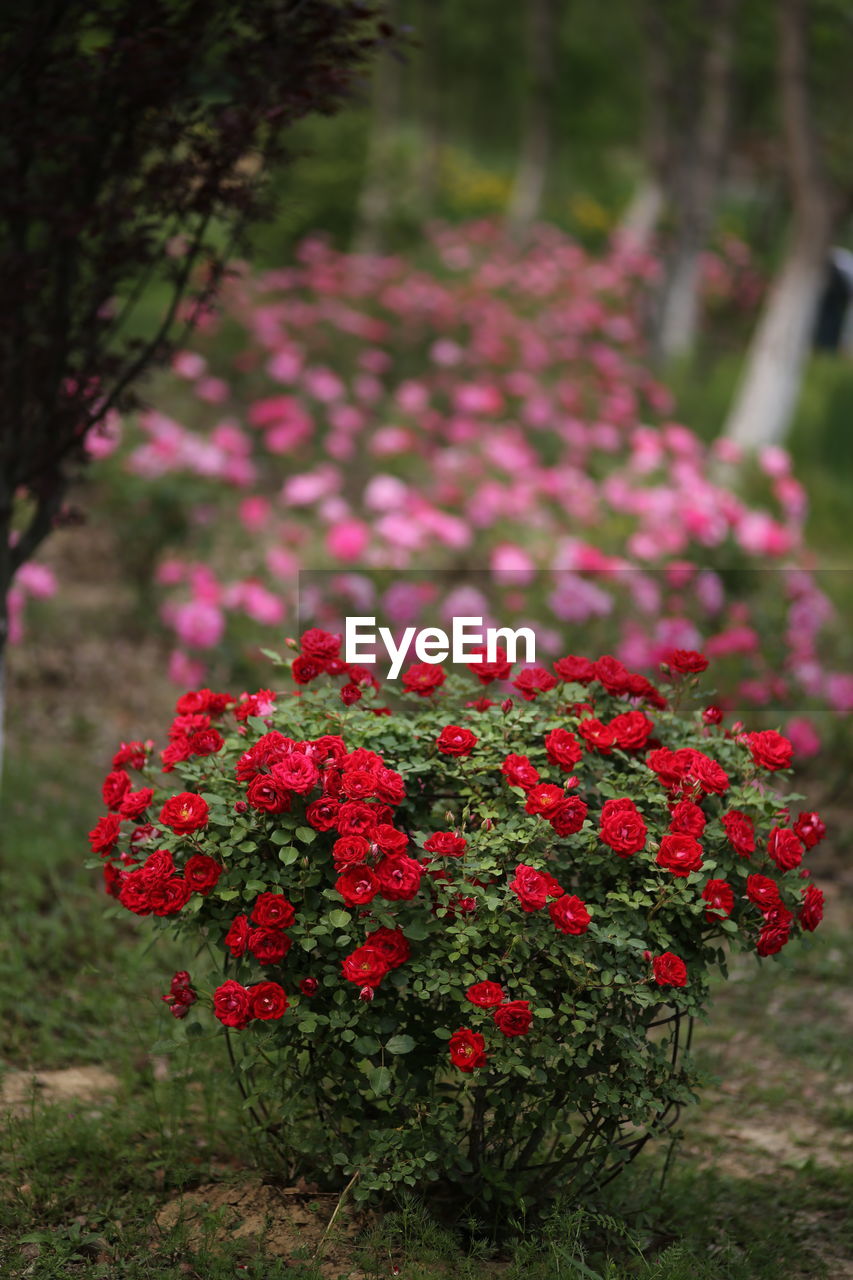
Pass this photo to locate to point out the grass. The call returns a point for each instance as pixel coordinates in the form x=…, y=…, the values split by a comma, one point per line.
x=82, y=1181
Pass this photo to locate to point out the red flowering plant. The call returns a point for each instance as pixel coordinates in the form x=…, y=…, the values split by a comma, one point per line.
x=458, y=937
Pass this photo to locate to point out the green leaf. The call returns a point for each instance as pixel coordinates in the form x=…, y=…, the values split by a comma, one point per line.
x=368, y=1045
x=228, y=895
x=306, y=834
x=340, y=919
x=380, y=1080
x=288, y=854
x=417, y=930
x=400, y=1044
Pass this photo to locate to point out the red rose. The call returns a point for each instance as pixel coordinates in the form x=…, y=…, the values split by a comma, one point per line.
x=399, y=877
x=390, y=943
x=350, y=850
x=446, y=845
x=206, y=742
x=356, y=819
x=366, y=966
x=453, y=741
x=530, y=887
x=513, y=1018
x=763, y=892
x=622, y=827
x=720, y=898
x=669, y=970
x=322, y=814
x=687, y=819
x=423, y=678
x=319, y=644
x=232, y=1004
x=711, y=777
x=273, y=911
x=387, y=838
x=467, y=1049
x=670, y=766
x=268, y=946
x=569, y=816
x=135, y=803
x=304, y=669
x=784, y=847
x=104, y=835
x=350, y=694
x=769, y=749
x=357, y=784
x=113, y=879
x=169, y=897
x=686, y=661
x=237, y=937
x=544, y=799
x=485, y=995
x=201, y=873
x=611, y=673
x=680, y=854
x=569, y=914
x=329, y=746
x=631, y=730
x=533, y=680
x=133, y=754
x=810, y=913
x=296, y=772
x=357, y=885
x=597, y=736
x=772, y=939
x=519, y=772
x=158, y=867
x=390, y=787
x=575, y=670
x=184, y=813
x=134, y=893
x=712, y=715
x=309, y=986
x=267, y=795
x=740, y=832
x=485, y=671
x=115, y=788
x=563, y=749
x=810, y=828
x=267, y=1001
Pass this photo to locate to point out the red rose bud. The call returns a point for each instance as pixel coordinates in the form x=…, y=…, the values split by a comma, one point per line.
x=240, y=806
x=308, y=986
x=647, y=955
x=486, y=824
x=506, y=705
x=712, y=715
x=290, y=642
x=366, y=994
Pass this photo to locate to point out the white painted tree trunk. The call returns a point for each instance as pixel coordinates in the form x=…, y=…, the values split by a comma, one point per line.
x=679, y=323
x=640, y=219
x=528, y=191
x=767, y=396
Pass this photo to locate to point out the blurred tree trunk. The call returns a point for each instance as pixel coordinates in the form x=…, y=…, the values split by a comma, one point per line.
x=376, y=199
x=695, y=188
x=428, y=170
x=770, y=384
x=640, y=219
x=525, y=204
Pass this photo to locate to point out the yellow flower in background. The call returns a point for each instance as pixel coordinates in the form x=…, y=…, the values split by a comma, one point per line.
x=588, y=213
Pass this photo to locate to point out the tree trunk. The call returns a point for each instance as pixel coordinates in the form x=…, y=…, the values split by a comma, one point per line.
x=642, y=215
x=376, y=199
x=525, y=204
x=679, y=315
x=770, y=384
x=640, y=219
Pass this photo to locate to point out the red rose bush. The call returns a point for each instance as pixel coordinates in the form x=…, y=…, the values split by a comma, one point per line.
x=452, y=932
